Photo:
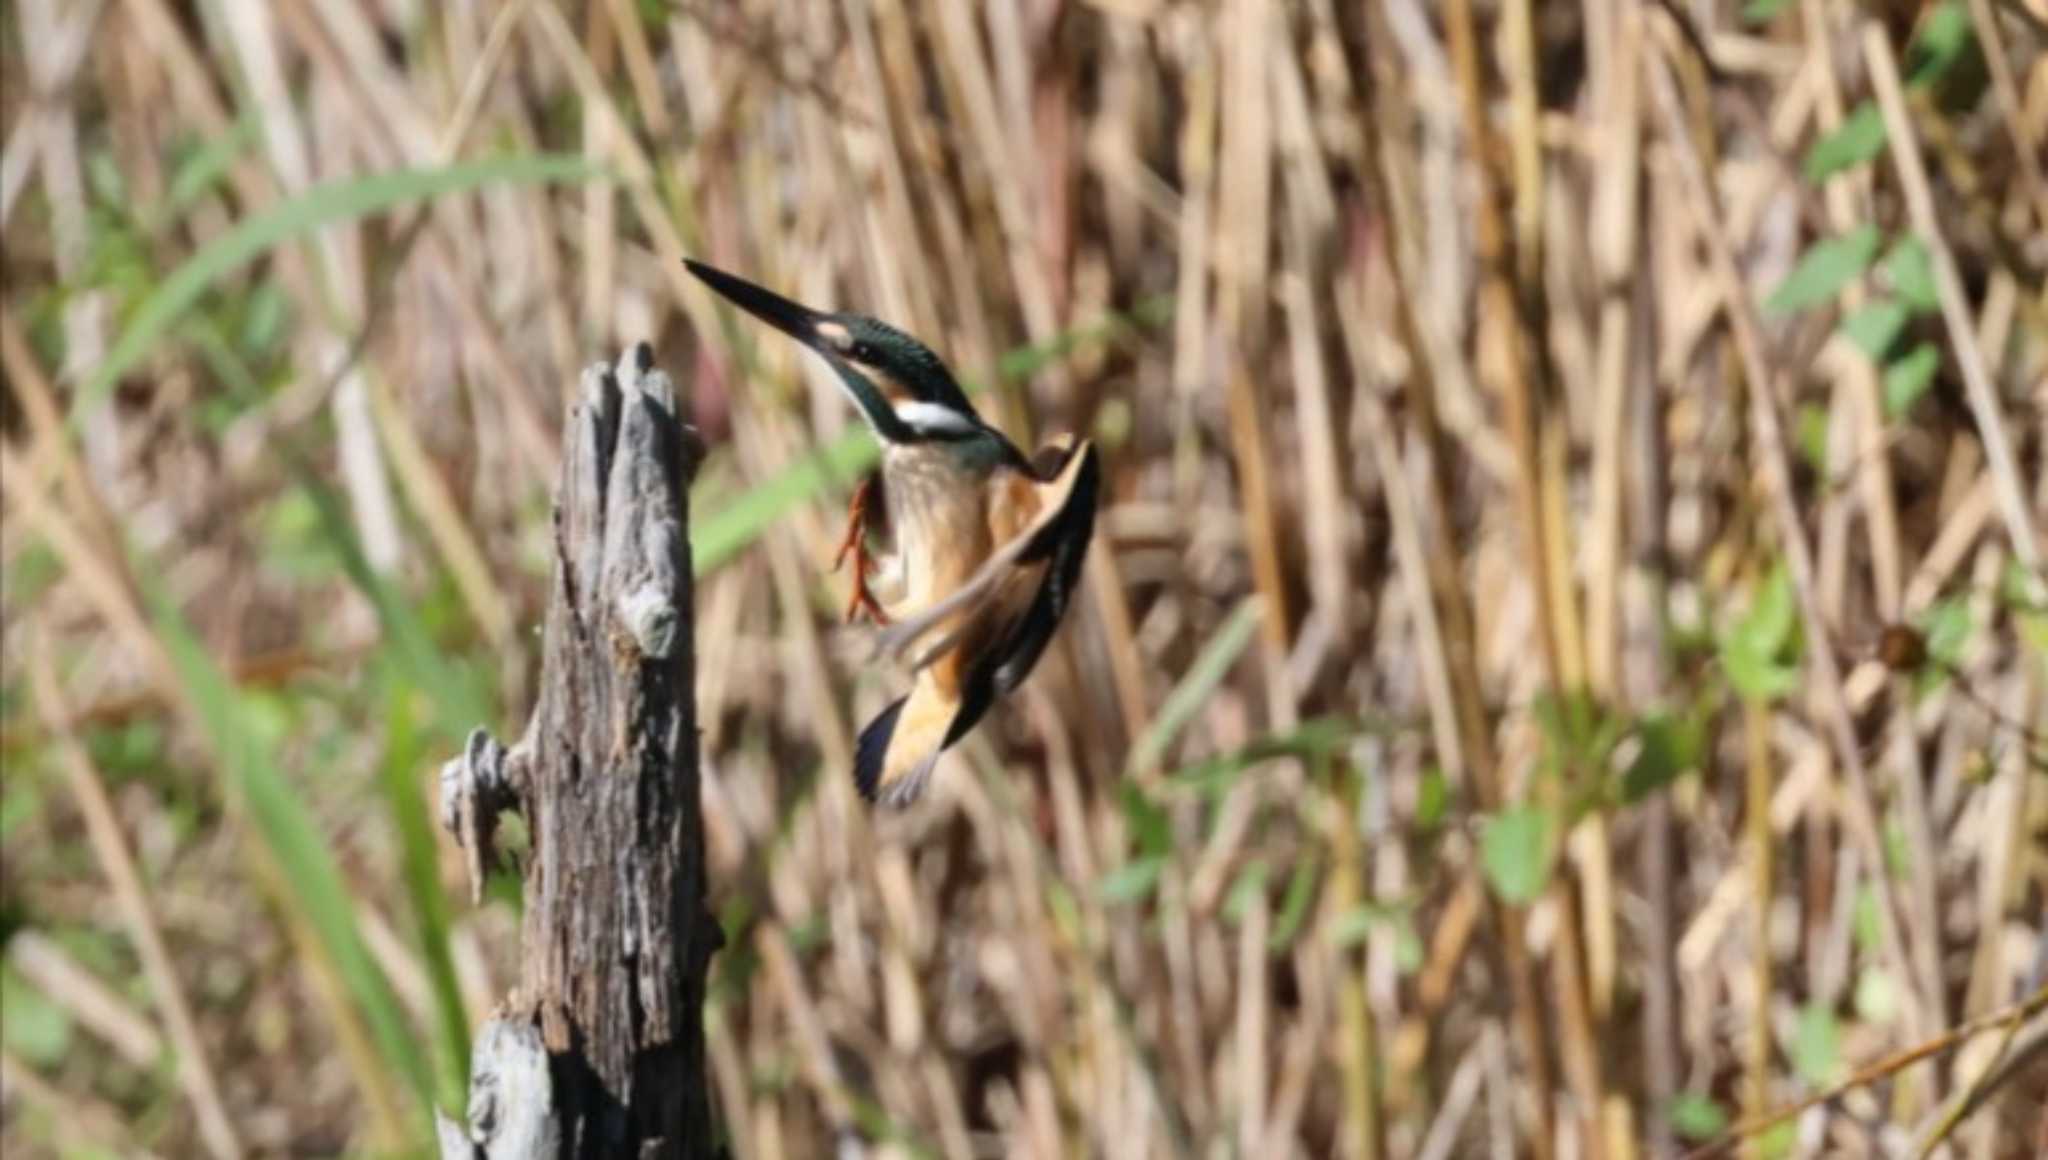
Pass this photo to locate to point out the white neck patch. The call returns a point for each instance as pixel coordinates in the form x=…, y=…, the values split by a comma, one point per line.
x=923, y=416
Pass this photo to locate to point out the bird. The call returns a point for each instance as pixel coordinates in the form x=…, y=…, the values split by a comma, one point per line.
x=977, y=548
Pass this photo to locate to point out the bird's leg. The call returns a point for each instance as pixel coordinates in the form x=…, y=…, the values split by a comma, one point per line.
x=855, y=545
x=856, y=527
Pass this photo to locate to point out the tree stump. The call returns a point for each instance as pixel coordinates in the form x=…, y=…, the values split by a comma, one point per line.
x=599, y=1051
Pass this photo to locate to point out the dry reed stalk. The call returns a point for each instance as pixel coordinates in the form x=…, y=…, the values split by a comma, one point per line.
x=1614, y=246
x=839, y=145
x=1358, y=1045
x=45, y=965
x=1646, y=614
x=1757, y=849
x=51, y=451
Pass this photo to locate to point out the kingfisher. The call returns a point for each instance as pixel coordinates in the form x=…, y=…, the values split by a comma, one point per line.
x=965, y=551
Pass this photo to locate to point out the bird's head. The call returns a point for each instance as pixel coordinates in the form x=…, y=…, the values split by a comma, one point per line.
x=903, y=390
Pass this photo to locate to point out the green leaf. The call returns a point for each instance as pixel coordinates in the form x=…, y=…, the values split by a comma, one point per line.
x=1817, y=1045
x=1134, y=881
x=1151, y=830
x=1910, y=270
x=1203, y=676
x=1301, y=891
x=1763, y=11
x=810, y=933
x=1753, y=650
x=316, y=207
x=1908, y=378
x=2020, y=589
x=1249, y=888
x=31, y=1025
x=200, y=169
x=1515, y=849
x=1354, y=926
x=1579, y=732
x=1777, y=1141
x=1898, y=854
x=1351, y=927
x=1432, y=798
x=21, y=801
x=1698, y=1118
x=1771, y=619
x=1827, y=266
x=1877, y=999
x=1943, y=39
x=1865, y=922
x=1759, y=678
x=1876, y=326
x=1946, y=625
x=1854, y=141
x=1669, y=748
x=1813, y=436
x=1408, y=952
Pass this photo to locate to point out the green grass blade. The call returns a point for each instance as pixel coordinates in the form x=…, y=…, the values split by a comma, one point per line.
x=286, y=827
x=204, y=168
x=1188, y=697
x=319, y=206
x=420, y=859
x=727, y=530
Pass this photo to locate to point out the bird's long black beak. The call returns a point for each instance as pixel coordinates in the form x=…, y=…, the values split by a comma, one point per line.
x=792, y=318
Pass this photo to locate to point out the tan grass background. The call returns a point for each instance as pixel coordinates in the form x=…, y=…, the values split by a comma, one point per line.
x=1450, y=442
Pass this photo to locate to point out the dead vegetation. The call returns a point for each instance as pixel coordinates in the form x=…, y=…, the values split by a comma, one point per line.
x=1560, y=672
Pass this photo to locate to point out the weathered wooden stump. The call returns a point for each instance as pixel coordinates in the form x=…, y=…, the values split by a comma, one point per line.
x=599, y=1051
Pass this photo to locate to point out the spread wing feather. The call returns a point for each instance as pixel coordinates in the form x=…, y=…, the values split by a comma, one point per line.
x=898, y=749
x=1065, y=516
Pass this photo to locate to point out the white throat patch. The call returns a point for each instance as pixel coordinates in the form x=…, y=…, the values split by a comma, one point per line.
x=923, y=416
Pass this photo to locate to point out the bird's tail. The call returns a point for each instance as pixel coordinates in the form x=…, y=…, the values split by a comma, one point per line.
x=897, y=750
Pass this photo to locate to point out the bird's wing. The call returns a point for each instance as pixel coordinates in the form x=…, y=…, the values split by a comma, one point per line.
x=1046, y=520
x=999, y=622
x=1066, y=534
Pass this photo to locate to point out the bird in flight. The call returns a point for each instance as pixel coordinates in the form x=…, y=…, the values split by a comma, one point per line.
x=965, y=551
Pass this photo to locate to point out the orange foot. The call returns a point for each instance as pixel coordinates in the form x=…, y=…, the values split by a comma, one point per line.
x=855, y=545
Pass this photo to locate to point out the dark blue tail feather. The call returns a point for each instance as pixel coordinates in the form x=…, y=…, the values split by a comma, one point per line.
x=873, y=747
